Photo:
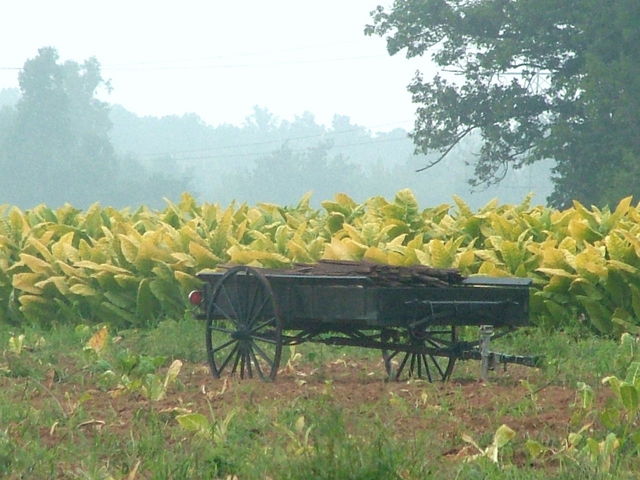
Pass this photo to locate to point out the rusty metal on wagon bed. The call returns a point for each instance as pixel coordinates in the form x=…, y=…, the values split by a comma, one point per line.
x=411, y=314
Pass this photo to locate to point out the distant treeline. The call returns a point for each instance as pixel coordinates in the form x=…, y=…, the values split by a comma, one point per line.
x=59, y=144
x=267, y=159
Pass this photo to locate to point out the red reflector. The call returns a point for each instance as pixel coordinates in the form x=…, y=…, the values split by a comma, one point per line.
x=195, y=297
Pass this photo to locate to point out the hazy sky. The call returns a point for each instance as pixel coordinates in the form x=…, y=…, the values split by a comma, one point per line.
x=220, y=58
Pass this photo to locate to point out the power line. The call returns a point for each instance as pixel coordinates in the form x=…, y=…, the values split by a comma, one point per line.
x=266, y=142
x=203, y=63
x=264, y=153
x=212, y=66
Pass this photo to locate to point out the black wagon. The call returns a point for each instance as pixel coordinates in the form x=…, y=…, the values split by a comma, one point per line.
x=412, y=315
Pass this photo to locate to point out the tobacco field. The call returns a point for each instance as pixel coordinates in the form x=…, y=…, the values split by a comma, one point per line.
x=133, y=267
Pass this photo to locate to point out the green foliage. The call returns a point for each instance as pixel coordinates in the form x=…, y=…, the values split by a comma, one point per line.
x=131, y=269
x=541, y=79
x=604, y=450
x=55, y=146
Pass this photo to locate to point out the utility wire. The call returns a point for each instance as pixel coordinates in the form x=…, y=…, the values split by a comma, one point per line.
x=213, y=66
x=207, y=62
x=266, y=142
x=266, y=153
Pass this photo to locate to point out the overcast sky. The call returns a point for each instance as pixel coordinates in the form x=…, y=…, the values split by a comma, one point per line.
x=220, y=58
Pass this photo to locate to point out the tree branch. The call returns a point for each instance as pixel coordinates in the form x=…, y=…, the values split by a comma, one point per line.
x=446, y=152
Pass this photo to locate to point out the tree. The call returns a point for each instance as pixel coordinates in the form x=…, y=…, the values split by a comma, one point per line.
x=538, y=79
x=56, y=146
x=59, y=139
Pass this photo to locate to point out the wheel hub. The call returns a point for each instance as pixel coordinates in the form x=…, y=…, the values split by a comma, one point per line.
x=241, y=335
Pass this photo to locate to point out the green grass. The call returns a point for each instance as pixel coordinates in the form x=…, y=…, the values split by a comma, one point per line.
x=60, y=418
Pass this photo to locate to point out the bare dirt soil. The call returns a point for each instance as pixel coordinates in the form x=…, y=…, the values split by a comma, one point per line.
x=517, y=398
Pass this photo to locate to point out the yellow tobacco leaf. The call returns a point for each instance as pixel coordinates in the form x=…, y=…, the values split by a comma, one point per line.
x=558, y=284
x=100, y=267
x=298, y=252
x=256, y=257
x=187, y=282
x=183, y=260
x=423, y=257
x=551, y=272
x=129, y=248
x=591, y=261
x=70, y=271
x=58, y=283
x=491, y=269
x=337, y=250
x=353, y=233
x=396, y=258
x=374, y=254
x=82, y=290
x=41, y=248
x=36, y=264
x=580, y=230
x=465, y=259
x=26, y=282
x=63, y=249
x=126, y=281
x=397, y=241
x=617, y=247
x=19, y=222
x=204, y=257
x=35, y=307
x=622, y=266
x=98, y=340
x=442, y=255
x=355, y=249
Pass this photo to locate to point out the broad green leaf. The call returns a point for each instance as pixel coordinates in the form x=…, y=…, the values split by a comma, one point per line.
x=582, y=286
x=535, y=448
x=629, y=397
x=145, y=301
x=194, y=422
x=599, y=316
x=503, y=435
x=187, y=282
x=586, y=395
x=125, y=299
x=112, y=313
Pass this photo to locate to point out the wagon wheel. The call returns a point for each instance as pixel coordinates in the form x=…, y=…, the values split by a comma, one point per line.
x=244, y=327
x=420, y=365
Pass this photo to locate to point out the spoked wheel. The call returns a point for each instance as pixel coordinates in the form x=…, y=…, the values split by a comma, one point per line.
x=400, y=364
x=244, y=327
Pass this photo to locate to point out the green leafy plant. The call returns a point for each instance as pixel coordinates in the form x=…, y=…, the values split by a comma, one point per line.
x=201, y=426
x=502, y=436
